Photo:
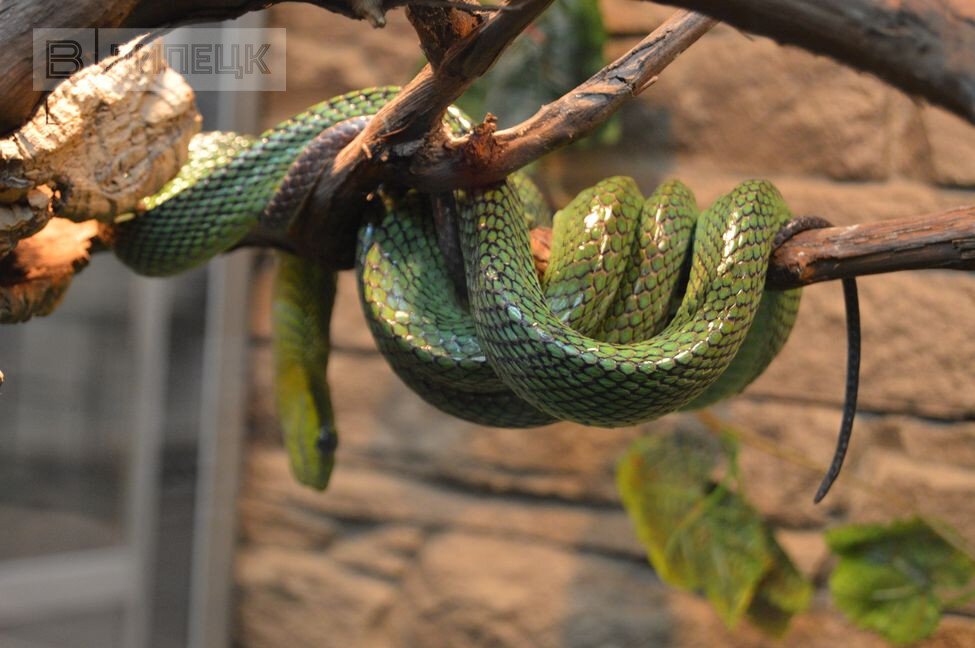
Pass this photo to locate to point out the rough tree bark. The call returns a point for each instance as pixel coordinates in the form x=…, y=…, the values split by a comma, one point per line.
x=106, y=139
x=18, y=19
x=484, y=157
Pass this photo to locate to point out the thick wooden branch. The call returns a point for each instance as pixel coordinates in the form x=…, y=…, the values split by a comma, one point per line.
x=440, y=28
x=944, y=240
x=112, y=115
x=106, y=138
x=924, y=47
x=18, y=19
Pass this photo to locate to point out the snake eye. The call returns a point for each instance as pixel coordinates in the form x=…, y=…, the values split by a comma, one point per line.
x=327, y=441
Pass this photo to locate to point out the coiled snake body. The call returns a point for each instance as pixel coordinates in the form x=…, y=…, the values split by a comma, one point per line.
x=648, y=305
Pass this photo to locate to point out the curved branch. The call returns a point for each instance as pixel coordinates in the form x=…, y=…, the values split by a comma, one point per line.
x=924, y=47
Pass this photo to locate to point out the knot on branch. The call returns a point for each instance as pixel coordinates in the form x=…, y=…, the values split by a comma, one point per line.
x=439, y=28
x=24, y=217
x=482, y=148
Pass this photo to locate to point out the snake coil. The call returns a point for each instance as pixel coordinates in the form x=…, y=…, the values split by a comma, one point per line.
x=648, y=305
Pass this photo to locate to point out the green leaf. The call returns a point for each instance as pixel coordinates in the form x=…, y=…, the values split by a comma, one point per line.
x=557, y=52
x=704, y=537
x=783, y=592
x=894, y=578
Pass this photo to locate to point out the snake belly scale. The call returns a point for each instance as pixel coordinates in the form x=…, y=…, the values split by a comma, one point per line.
x=648, y=305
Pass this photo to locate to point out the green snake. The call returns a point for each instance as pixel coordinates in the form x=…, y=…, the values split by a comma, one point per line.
x=647, y=306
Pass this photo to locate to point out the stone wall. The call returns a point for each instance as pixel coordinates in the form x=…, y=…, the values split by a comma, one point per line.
x=437, y=533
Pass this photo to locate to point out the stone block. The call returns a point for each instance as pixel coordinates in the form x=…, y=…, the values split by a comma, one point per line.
x=952, y=143
x=479, y=592
x=329, y=54
x=748, y=105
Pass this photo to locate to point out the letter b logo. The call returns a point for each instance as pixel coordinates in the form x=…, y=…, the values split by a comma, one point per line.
x=63, y=58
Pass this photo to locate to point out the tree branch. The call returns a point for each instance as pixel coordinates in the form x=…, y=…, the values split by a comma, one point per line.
x=36, y=274
x=406, y=144
x=943, y=240
x=440, y=28
x=412, y=119
x=471, y=160
x=924, y=47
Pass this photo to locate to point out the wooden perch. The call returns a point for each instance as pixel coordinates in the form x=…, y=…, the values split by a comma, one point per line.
x=406, y=143
x=106, y=138
x=411, y=121
x=943, y=240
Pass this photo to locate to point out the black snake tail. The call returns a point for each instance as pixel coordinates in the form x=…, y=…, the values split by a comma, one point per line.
x=852, y=305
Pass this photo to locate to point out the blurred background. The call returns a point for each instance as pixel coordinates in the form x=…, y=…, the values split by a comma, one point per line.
x=145, y=499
